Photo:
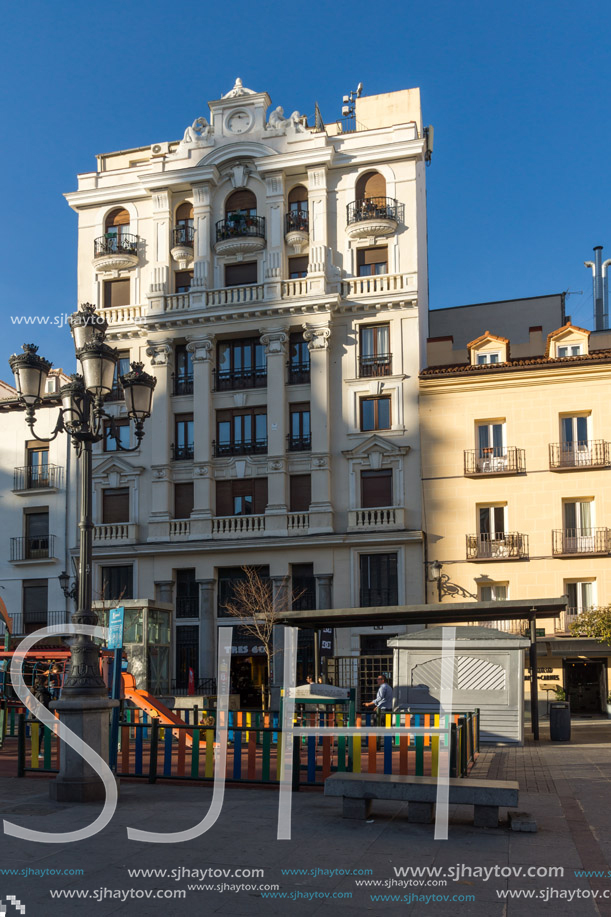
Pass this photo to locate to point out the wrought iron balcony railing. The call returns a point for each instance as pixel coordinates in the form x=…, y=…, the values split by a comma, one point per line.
x=116, y=394
x=32, y=547
x=567, y=542
x=238, y=225
x=183, y=235
x=592, y=453
x=182, y=384
x=180, y=687
x=374, y=208
x=297, y=221
x=37, y=477
x=301, y=443
x=497, y=546
x=379, y=365
x=120, y=244
x=495, y=460
x=228, y=379
x=250, y=447
x=187, y=606
x=182, y=453
x=299, y=373
x=371, y=598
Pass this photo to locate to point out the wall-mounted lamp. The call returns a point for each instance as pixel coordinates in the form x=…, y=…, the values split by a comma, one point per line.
x=435, y=568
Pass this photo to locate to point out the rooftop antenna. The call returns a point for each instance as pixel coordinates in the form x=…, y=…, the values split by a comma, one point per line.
x=600, y=289
x=348, y=107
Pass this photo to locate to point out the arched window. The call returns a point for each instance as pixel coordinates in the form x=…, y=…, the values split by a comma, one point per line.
x=117, y=223
x=183, y=231
x=297, y=216
x=298, y=198
x=370, y=184
x=241, y=203
x=184, y=215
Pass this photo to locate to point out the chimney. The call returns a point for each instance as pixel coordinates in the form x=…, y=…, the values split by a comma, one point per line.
x=600, y=289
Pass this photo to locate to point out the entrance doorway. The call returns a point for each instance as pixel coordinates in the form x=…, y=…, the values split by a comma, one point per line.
x=585, y=684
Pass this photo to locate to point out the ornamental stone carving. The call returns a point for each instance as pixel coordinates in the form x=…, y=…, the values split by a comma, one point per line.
x=160, y=354
x=160, y=474
x=239, y=175
x=274, y=342
x=202, y=471
x=201, y=350
x=277, y=121
x=320, y=462
x=238, y=90
x=317, y=336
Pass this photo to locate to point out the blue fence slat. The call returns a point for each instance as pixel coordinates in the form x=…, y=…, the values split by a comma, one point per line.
x=388, y=754
x=138, y=764
x=311, y=759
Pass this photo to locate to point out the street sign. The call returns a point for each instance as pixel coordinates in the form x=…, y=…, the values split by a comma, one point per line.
x=115, y=627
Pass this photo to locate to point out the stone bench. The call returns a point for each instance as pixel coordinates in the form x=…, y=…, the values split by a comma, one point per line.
x=486, y=796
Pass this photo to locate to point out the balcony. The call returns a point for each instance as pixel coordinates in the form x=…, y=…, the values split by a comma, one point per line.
x=116, y=394
x=182, y=246
x=250, y=447
x=297, y=230
x=240, y=235
x=500, y=546
x=115, y=533
x=182, y=453
x=179, y=529
x=387, y=518
x=226, y=380
x=571, y=542
x=30, y=548
x=237, y=526
x=299, y=373
x=115, y=252
x=36, y=477
x=187, y=606
x=372, y=217
x=301, y=443
x=494, y=460
x=374, y=366
x=595, y=453
x=182, y=384
x=376, y=284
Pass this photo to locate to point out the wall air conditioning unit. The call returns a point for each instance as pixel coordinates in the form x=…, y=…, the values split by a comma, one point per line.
x=160, y=149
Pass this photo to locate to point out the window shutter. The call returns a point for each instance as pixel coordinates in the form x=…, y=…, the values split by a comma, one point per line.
x=376, y=488
x=241, y=200
x=260, y=495
x=117, y=218
x=116, y=293
x=183, y=500
x=185, y=211
x=115, y=505
x=35, y=601
x=300, y=492
x=183, y=280
x=298, y=194
x=237, y=274
x=378, y=255
x=224, y=498
x=298, y=265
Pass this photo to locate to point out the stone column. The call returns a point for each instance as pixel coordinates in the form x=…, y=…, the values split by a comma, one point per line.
x=275, y=236
x=207, y=629
x=202, y=222
x=321, y=511
x=164, y=590
x=324, y=584
x=201, y=350
x=159, y=255
x=161, y=434
x=317, y=207
x=275, y=341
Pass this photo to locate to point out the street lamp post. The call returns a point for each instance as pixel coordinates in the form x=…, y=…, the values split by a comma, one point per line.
x=84, y=705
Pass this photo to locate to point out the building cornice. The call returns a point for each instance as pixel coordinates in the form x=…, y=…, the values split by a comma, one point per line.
x=551, y=374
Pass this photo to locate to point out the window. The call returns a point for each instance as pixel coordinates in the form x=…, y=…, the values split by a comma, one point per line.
x=491, y=446
x=227, y=578
x=370, y=185
x=37, y=465
x=37, y=534
x=378, y=580
x=183, y=499
x=376, y=488
x=122, y=367
x=240, y=205
x=116, y=293
x=183, y=233
x=34, y=604
x=52, y=385
x=183, y=437
x=240, y=364
x=241, y=498
x=375, y=413
x=484, y=358
x=239, y=274
x=115, y=505
x=117, y=582
x=580, y=594
x=122, y=429
x=492, y=522
x=300, y=493
x=297, y=216
x=299, y=359
x=374, y=357
x=574, y=446
x=184, y=214
x=570, y=350
x=303, y=587
x=300, y=437
x=493, y=592
x=187, y=655
x=372, y=261
x=241, y=431
x=117, y=223
x=183, y=281
x=578, y=516
x=183, y=376
x=298, y=199
x=187, y=594
x=298, y=267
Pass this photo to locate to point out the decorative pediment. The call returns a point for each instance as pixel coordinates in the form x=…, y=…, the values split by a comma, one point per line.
x=374, y=450
x=115, y=470
x=488, y=348
x=567, y=341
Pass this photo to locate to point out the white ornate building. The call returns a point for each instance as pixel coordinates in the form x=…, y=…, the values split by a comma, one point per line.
x=273, y=276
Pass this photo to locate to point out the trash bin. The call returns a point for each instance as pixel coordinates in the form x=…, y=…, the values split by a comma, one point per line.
x=560, y=721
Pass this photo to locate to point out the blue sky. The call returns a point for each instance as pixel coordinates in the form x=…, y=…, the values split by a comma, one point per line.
x=518, y=189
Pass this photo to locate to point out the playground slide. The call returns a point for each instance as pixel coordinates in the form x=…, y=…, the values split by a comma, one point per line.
x=154, y=707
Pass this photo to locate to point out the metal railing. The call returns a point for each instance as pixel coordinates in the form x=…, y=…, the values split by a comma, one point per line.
x=297, y=221
x=240, y=226
x=182, y=384
x=116, y=394
x=120, y=244
x=497, y=546
x=202, y=686
x=182, y=453
x=581, y=541
x=301, y=443
x=299, y=373
x=374, y=208
x=187, y=606
x=595, y=453
x=32, y=547
x=495, y=460
x=379, y=365
x=35, y=477
x=371, y=598
x=248, y=447
x=228, y=379
x=183, y=235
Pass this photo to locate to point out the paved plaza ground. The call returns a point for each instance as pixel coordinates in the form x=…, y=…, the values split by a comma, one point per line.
x=567, y=787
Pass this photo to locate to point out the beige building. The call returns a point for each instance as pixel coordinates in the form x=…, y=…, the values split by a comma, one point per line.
x=273, y=276
x=516, y=462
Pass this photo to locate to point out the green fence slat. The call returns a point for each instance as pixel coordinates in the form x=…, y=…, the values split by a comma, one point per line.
x=341, y=753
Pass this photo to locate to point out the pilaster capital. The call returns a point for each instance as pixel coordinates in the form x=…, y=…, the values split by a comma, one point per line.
x=317, y=336
x=275, y=341
x=202, y=195
x=317, y=178
x=201, y=349
x=160, y=352
x=161, y=201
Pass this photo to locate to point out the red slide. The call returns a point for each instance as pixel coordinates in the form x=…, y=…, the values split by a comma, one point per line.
x=154, y=707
